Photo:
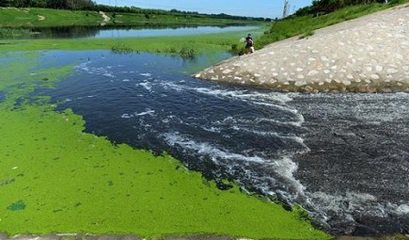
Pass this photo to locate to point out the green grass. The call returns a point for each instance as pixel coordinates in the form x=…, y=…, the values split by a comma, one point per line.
x=29, y=17
x=55, y=178
x=14, y=33
x=305, y=25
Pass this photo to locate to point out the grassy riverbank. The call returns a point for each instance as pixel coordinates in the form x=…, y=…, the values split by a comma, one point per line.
x=57, y=179
x=304, y=26
x=42, y=17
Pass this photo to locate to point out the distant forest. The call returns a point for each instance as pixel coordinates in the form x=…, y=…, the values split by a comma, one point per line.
x=92, y=6
x=327, y=6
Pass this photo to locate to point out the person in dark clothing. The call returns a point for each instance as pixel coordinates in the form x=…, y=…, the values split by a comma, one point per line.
x=249, y=44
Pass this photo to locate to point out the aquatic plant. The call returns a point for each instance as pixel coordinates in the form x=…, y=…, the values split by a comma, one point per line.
x=187, y=52
x=122, y=49
x=14, y=33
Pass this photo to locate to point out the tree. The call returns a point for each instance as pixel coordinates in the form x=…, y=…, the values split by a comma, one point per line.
x=40, y=3
x=5, y=3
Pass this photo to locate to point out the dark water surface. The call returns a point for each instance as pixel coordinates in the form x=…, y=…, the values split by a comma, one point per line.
x=127, y=31
x=344, y=157
x=2, y=96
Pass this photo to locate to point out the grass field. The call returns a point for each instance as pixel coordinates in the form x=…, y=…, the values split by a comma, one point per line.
x=41, y=17
x=33, y=17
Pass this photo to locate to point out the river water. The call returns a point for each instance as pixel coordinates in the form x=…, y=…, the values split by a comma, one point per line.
x=344, y=157
x=66, y=32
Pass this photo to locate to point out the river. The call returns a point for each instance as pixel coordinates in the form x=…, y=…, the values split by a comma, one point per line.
x=343, y=157
x=105, y=32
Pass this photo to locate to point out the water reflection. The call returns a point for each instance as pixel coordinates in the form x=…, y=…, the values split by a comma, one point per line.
x=2, y=96
x=119, y=31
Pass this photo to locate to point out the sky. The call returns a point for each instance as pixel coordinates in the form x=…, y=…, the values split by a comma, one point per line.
x=253, y=8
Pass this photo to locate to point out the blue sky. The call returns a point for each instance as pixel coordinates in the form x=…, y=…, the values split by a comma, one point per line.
x=254, y=8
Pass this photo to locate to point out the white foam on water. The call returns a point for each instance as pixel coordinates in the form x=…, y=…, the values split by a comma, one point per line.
x=109, y=75
x=95, y=70
x=83, y=67
x=126, y=80
x=402, y=209
x=146, y=74
x=241, y=94
x=275, y=134
x=126, y=116
x=136, y=114
x=251, y=96
x=173, y=86
x=147, y=112
x=146, y=85
x=352, y=203
x=286, y=168
x=256, y=121
x=208, y=149
x=295, y=124
x=402, y=95
x=212, y=129
x=282, y=166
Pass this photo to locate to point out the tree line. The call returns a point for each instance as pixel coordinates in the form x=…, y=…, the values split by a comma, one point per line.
x=57, y=4
x=92, y=6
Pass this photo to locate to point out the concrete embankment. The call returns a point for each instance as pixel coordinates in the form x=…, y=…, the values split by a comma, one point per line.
x=369, y=54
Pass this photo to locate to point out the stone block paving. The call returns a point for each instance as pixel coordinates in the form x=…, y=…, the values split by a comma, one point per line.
x=368, y=54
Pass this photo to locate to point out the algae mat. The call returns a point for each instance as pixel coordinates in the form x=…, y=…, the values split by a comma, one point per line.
x=55, y=178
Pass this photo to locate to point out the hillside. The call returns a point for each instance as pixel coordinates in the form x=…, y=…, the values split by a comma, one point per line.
x=44, y=17
x=304, y=25
x=368, y=54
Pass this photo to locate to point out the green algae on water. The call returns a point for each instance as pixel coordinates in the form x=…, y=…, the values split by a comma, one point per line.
x=71, y=181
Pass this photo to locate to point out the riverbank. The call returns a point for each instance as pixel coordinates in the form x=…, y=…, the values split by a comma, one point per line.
x=369, y=54
x=42, y=17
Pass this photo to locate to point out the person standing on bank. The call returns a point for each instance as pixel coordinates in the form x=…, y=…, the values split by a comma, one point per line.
x=249, y=44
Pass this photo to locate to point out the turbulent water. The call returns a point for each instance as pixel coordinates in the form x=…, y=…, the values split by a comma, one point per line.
x=344, y=157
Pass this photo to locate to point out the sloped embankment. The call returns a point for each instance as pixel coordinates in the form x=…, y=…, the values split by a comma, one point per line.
x=369, y=54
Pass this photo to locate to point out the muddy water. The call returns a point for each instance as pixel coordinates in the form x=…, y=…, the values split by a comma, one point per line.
x=344, y=157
